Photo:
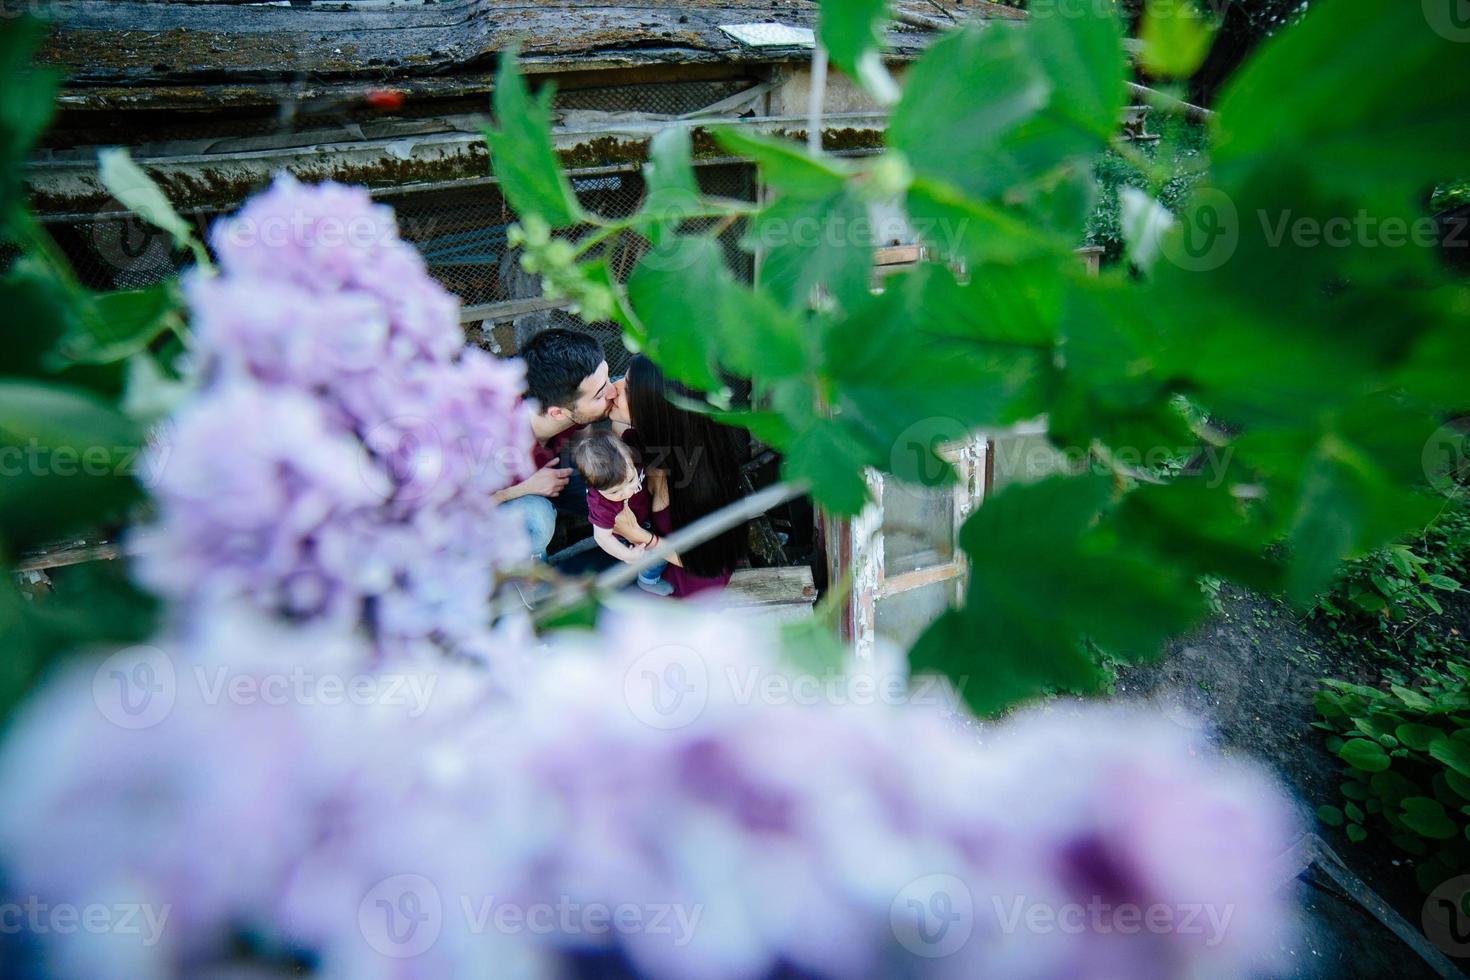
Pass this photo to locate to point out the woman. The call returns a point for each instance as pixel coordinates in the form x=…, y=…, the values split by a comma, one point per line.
x=692, y=470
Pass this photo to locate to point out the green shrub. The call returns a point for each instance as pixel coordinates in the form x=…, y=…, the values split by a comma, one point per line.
x=1406, y=752
x=1394, y=599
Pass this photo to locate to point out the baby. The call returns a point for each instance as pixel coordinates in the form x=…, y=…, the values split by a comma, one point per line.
x=615, y=481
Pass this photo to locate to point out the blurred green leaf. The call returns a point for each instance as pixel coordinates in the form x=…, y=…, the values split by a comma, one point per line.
x=37, y=314
x=1427, y=818
x=852, y=33
x=1380, y=134
x=27, y=101
x=785, y=165
x=1453, y=753
x=137, y=192
x=1043, y=581
x=696, y=317
x=814, y=251
x=1175, y=38
x=832, y=459
x=521, y=154
x=117, y=325
x=67, y=456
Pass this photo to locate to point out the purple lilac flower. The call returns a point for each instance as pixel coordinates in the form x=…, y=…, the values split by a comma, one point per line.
x=339, y=458
x=836, y=835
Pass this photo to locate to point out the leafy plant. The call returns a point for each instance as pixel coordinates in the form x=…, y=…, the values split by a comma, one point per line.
x=1327, y=365
x=1394, y=598
x=1406, y=753
x=67, y=444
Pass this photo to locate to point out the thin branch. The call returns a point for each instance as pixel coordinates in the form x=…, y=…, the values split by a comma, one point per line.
x=1168, y=103
x=695, y=534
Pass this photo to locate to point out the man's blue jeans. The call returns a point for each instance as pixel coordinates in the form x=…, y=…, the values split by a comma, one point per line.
x=539, y=518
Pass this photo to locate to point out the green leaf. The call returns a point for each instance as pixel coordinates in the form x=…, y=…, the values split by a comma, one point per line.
x=1443, y=582
x=829, y=457
x=1175, y=38
x=120, y=324
x=815, y=251
x=960, y=227
x=1354, y=812
x=785, y=165
x=1305, y=97
x=1391, y=787
x=73, y=453
x=1024, y=100
x=1453, y=753
x=27, y=101
x=1458, y=782
x=1427, y=817
x=1356, y=833
x=1198, y=523
x=151, y=395
x=1365, y=755
x=970, y=91
x=694, y=316
x=1411, y=698
x=1044, y=584
x=1083, y=58
x=1330, y=815
x=37, y=312
x=1417, y=737
x=936, y=361
x=137, y=192
x=1354, y=791
x=851, y=31
x=521, y=154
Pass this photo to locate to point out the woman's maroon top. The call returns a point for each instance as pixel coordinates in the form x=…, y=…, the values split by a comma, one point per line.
x=685, y=583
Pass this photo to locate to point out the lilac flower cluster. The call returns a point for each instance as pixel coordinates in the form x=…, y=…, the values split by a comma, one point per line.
x=728, y=832
x=339, y=458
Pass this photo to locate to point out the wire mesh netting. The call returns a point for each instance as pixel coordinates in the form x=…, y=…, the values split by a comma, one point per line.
x=461, y=232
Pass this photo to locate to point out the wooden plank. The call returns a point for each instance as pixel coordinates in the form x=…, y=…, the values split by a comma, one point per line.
x=920, y=578
x=791, y=586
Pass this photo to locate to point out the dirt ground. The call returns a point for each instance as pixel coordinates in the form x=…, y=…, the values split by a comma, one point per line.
x=1248, y=676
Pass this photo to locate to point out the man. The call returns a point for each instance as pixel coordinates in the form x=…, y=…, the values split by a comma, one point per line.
x=566, y=375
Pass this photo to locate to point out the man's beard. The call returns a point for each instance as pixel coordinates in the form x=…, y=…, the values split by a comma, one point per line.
x=579, y=419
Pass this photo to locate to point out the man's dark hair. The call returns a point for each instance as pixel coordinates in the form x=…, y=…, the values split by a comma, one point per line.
x=557, y=362
x=603, y=459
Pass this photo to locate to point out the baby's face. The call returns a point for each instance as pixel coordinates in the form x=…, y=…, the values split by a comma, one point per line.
x=627, y=488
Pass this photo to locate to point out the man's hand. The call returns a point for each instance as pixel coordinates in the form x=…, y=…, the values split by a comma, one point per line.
x=548, y=481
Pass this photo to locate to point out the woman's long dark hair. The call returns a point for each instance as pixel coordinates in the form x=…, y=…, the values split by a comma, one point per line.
x=699, y=455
